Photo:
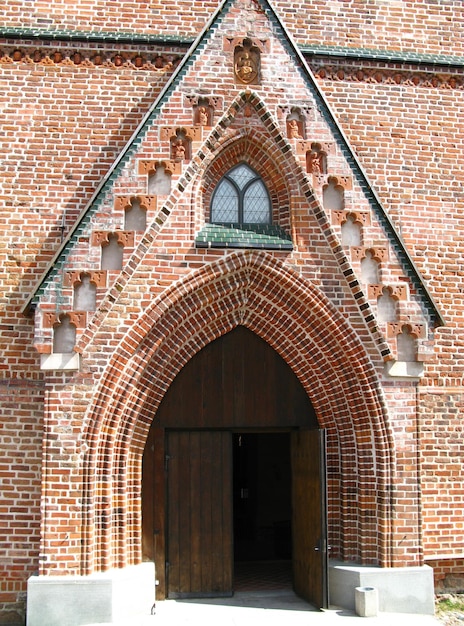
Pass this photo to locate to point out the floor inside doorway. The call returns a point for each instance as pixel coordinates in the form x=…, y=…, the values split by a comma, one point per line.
x=262, y=576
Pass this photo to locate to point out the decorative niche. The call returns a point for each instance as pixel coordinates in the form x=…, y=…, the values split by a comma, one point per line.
x=203, y=108
x=159, y=181
x=180, y=141
x=85, y=294
x=247, y=62
x=135, y=216
x=296, y=127
x=64, y=335
x=333, y=195
x=159, y=176
x=203, y=113
x=316, y=161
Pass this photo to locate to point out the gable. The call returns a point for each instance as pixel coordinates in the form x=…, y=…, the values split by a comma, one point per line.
x=261, y=104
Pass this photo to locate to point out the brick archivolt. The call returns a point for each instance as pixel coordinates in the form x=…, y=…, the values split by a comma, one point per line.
x=260, y=153
x=253, y=289
x=247, y=131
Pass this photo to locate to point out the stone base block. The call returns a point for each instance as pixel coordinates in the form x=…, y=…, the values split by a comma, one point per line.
x=400, y=590
x=95, y=599
x=366, y=601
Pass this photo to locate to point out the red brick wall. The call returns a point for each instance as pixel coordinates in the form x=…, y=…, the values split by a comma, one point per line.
x=410, y=138
x=20, y=465
x=448, y=575
x=376, y=512
x=61, y=127
x=425, y=26
x=62, y=124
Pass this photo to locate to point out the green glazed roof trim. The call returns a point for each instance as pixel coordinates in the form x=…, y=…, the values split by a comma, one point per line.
x=389, y=56
x=345, y=145
x=266, y=236
x=301, y=63
x=93, y=36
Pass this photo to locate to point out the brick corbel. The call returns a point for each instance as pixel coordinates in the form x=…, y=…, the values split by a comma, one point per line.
x=340, y=216
x=285, y=110
x=149, y=167
x=305, y=145
x=360, y=252
x=100, y=237
x=194, y=100
x=191, y=132
x=123, y=202
x=379, y=254
x=398, y=292
x=346, y=182
x=75, y=276
x=396, y=328
x=230, y=43
x=77, y=318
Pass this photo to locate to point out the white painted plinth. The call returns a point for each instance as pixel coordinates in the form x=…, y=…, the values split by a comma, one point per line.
x=95, y=599
x=366, y=601
x=400, y=589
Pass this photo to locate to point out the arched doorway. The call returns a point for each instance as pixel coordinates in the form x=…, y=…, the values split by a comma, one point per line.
x=231, y=459
x=251, y=289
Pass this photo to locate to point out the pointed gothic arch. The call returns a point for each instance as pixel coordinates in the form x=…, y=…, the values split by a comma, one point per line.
x=261, y=147
x=255, y=290
x=241, y=197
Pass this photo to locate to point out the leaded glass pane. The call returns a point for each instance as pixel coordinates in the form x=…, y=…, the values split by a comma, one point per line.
x=241, y=175
x=256, y=204
x=225, y=203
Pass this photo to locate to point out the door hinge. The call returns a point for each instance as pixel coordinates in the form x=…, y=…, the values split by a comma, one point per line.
x=167, y=458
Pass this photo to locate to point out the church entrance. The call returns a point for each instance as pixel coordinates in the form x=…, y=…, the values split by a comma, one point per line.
x=279, y=516
x=234, y=479
x=262, y=498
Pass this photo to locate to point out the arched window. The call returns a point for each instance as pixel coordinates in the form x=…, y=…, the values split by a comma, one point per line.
x=241, y=197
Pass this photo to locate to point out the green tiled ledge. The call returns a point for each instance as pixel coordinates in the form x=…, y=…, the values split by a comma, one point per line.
x=388, y=56
x=308, y=50
x=266, y=236
x=99, y=36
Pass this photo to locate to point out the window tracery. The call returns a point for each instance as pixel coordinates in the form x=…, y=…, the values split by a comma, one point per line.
x=241, y=197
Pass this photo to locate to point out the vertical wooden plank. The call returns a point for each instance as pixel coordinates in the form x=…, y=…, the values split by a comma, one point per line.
x=225, y=550
x=213, y=385
x=195, y=562
x=159, y=513
x=190, y=395
x=309, y=524
x=200, y=518
x=173, y=521
x=219, y=540
x=216, y=515
x=206, y=503
x=153, y=506
x=184, y=502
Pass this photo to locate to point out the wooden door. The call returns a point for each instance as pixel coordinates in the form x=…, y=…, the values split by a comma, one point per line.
x=309, y=523
x=199, y=508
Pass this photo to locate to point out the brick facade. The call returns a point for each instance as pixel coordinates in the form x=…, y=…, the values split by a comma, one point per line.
x=72, y=441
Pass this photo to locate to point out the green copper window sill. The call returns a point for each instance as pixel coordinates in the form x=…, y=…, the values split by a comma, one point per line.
x=265, y=236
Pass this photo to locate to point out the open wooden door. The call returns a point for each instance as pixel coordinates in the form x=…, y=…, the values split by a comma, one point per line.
x=309, y=523
x=199, y=495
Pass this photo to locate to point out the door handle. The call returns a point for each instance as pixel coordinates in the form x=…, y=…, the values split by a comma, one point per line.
x=321, y=546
